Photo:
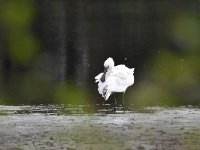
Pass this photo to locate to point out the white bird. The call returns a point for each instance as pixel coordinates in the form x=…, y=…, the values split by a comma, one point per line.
x=114, y=79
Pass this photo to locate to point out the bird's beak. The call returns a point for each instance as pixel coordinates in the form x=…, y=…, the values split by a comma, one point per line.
x=105, y=70
x=104, y=74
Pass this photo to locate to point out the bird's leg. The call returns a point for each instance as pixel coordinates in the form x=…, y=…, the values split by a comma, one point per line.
x=115, y=102
x=123, y=103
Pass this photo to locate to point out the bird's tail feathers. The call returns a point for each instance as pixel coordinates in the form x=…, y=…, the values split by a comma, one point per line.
x=107, y=95
x=132, y=69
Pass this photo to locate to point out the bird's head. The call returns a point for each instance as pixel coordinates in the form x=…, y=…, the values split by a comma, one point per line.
x=109, y=63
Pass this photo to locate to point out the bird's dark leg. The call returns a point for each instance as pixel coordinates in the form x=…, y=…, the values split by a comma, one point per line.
x=115, y=103
x=123, y=103
x=103, y=104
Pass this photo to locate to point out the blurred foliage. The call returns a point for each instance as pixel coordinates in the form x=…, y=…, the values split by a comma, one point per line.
x=70, y=93
x=151, y=94
x=23, y=48
x=173, y=75
x=173, y=78
x=184, y=28
x=16, y=18
x=173, y=70
x=29, y=88
x=17, y=14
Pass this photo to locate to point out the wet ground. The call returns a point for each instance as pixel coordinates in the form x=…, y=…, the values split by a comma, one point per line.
x=71, y=128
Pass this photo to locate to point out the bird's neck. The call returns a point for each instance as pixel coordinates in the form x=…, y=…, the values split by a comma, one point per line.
x=110, y=68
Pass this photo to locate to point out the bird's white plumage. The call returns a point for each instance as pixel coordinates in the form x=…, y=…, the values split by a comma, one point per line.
x=117, y=79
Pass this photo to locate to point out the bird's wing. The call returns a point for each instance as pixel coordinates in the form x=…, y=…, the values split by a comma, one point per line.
x=121, y=76
x=98, y=77
x=124, y=69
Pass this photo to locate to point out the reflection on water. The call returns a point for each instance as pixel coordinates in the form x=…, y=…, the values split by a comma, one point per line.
x=79, y=109
x=48, y=109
